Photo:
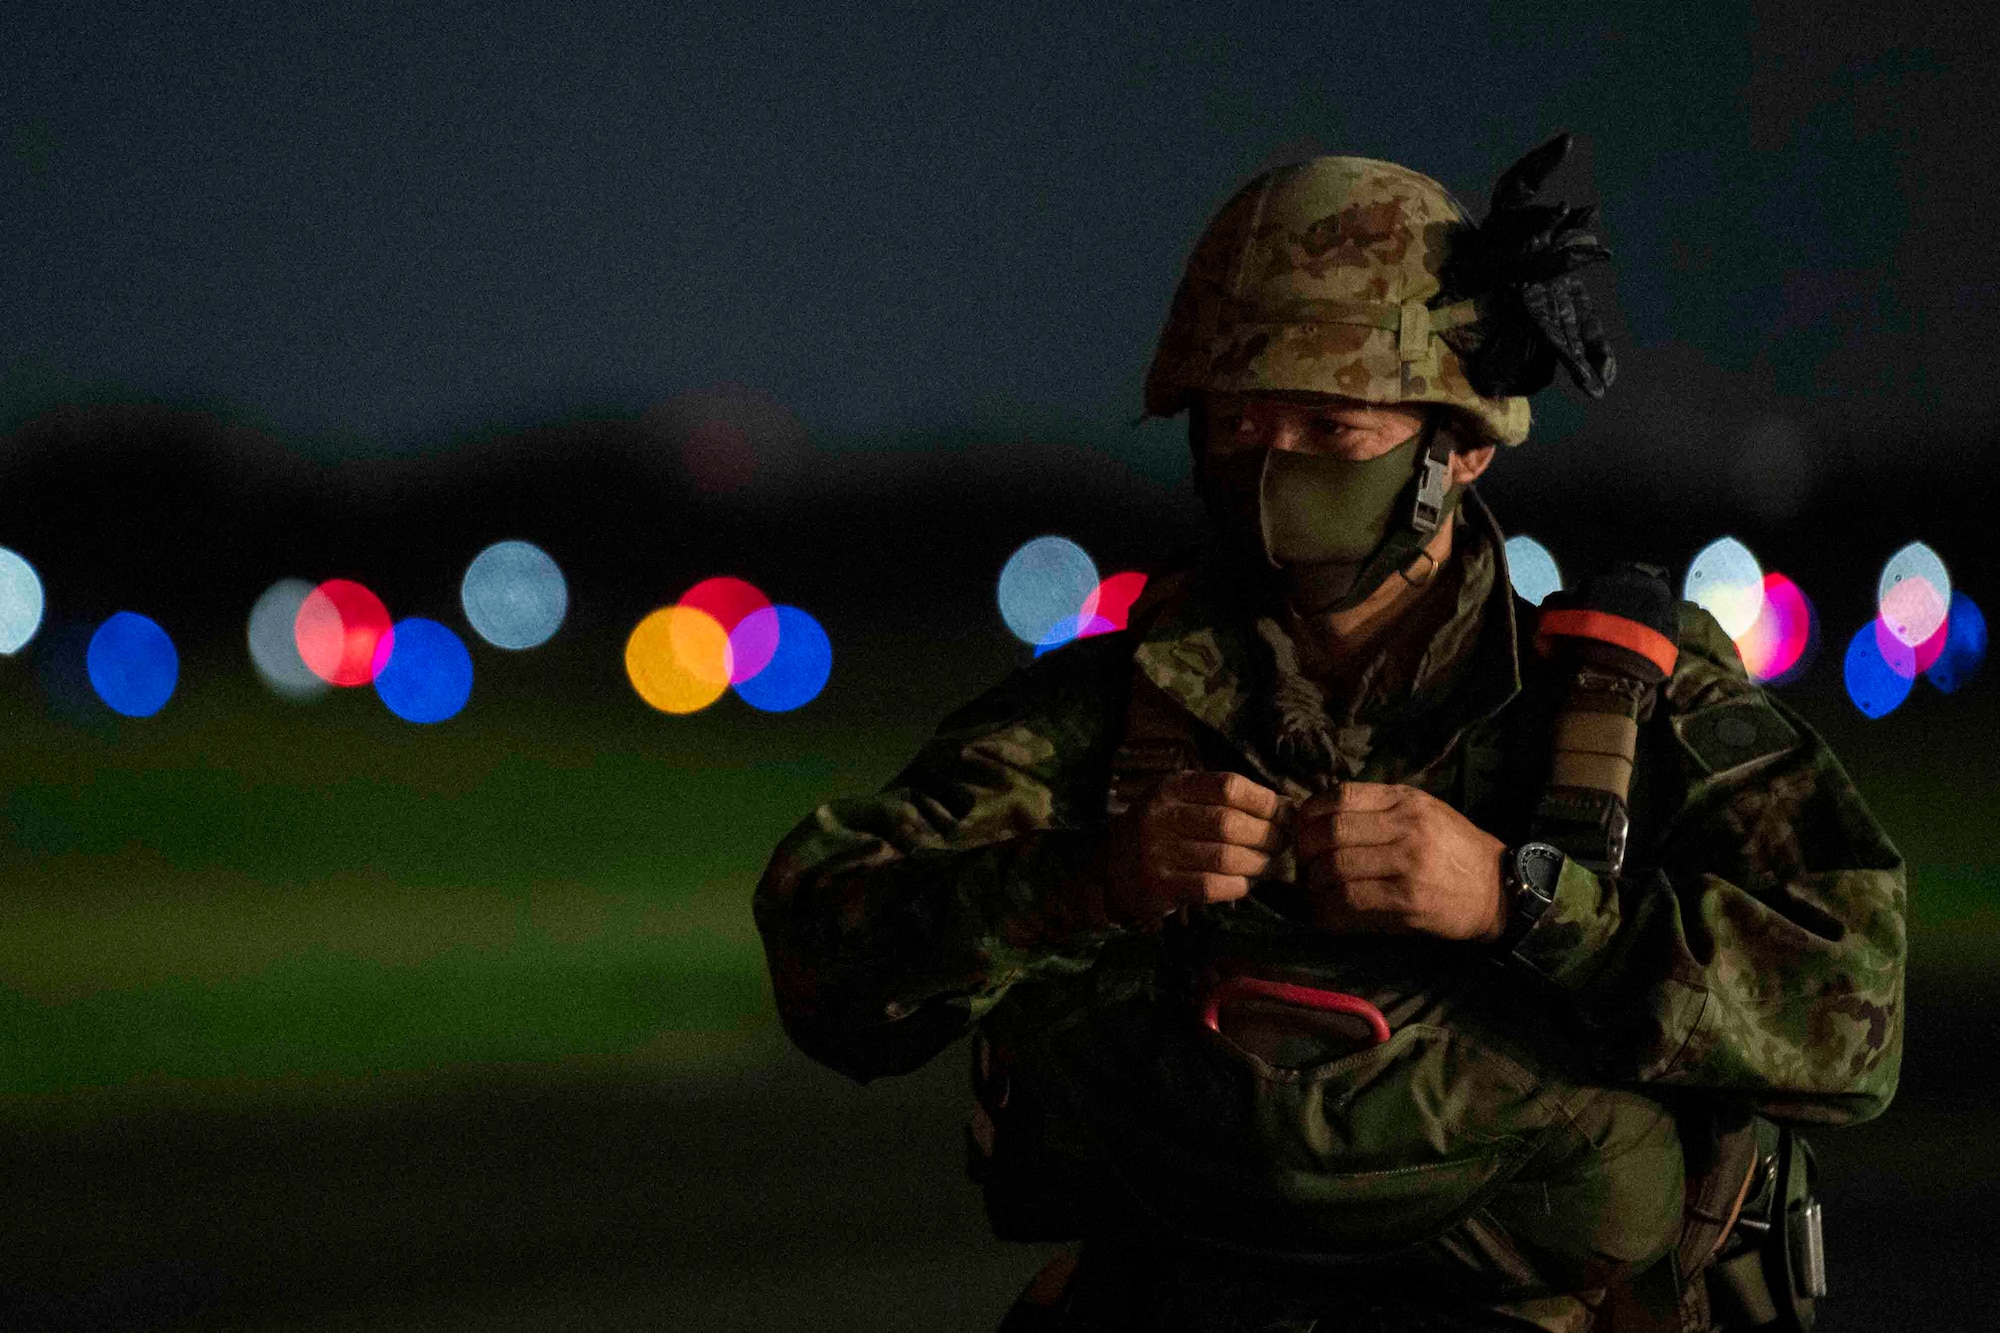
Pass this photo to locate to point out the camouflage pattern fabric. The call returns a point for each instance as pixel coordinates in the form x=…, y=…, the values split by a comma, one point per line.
x=1321, y=277
x=1752, y=952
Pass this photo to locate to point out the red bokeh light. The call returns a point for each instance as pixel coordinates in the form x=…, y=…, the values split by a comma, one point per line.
x=1779, y=636
x=725, y=599
x=1110, y=605
x=1907, y=660
x=730, y=601
x=343, y=633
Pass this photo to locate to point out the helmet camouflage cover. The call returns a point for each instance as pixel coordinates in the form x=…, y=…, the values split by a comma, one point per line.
x=1319, y=278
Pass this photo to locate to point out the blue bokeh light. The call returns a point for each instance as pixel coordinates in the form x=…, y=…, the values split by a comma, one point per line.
x=797, y=671
x=1875, y=684
x=1043, y=582
x=20, y=602
x=1532, y=569
x=1964, y=646
x=428, y=676
x=1071, y=628
x=514, y=595
x=132, y=665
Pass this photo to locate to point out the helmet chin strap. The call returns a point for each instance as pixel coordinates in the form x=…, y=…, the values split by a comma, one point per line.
x=1331, y=586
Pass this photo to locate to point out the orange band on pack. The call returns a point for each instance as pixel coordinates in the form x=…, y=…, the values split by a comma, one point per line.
x=1568, y=623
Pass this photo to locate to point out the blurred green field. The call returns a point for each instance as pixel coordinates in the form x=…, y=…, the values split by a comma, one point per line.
x=255, y=891
x=243, y=890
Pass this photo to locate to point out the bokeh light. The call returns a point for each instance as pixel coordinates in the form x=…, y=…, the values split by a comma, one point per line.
x=21, y=602
x=1726, y=581
x=1532, y=569
x=1914, y=593
x=730, y=602
x=1964, y=646
x=1876, y=682
x=1071, y=628
x=1774, y=647
x=1041, y=584
x=514, y=595
x=798, y=668
x=678, y=659
x=752, y=644
x=132, y=665
x=341, y=630
x=274, y=645
x=1111, y=603
x=1917, y=658
x=428, y=674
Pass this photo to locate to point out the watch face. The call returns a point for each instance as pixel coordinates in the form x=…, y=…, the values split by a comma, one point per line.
x=1540, y=867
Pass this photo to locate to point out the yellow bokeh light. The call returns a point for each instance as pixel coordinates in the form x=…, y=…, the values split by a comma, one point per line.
x=678, y=659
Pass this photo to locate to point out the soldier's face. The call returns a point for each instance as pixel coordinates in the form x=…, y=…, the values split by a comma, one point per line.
x=1307, y=423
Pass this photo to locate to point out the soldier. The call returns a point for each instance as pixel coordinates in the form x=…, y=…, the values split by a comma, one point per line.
x=1349, y=945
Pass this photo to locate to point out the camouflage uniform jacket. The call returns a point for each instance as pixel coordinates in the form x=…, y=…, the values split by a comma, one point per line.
x=1752, y=950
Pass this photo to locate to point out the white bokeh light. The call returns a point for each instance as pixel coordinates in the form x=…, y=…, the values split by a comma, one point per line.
x=514, y=595
x=1726, y=581
x=20, y=602
x=274, y=644
x=1042, y=584
x=1532, y=569
x=1914, y=593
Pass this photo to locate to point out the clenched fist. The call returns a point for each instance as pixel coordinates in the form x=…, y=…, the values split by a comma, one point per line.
x=1195, y=838
x=1395, y=860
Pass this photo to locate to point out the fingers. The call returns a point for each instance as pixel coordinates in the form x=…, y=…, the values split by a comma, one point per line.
x=1367, y=828
x=1358, y=796
x=1218, y=823
x=1189, y=886
x=1223, y=789
x=1216, y=858
x=1360, y=814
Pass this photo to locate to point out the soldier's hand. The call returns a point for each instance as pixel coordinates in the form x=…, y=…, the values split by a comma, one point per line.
x=1396, y=860
x=1195, y=838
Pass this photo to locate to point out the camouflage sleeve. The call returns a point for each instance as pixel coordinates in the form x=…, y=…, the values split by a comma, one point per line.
x=1759, y=956
x=891, y=922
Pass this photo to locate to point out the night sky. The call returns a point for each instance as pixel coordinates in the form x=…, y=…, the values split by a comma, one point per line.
x=380, y=226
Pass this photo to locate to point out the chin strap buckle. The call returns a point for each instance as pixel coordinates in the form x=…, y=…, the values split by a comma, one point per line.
x=1433, y=475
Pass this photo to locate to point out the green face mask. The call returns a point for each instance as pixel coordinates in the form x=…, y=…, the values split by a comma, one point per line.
x=1327, y=532
x=1316, y=510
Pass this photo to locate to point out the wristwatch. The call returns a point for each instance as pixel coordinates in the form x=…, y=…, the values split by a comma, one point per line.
x=1528, y=876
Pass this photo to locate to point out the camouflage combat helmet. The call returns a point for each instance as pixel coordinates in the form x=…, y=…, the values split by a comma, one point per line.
x=1321, y=277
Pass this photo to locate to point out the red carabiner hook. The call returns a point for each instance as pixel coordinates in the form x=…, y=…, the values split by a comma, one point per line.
x=1285, y=992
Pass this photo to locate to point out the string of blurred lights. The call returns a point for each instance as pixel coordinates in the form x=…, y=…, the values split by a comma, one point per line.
x=724, y=634
x=1922, y=625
